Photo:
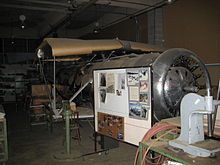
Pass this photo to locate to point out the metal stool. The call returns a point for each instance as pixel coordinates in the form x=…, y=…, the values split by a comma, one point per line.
x=75, y=126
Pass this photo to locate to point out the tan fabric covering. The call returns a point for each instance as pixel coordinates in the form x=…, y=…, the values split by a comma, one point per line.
x=65, y=46
x=145, y=47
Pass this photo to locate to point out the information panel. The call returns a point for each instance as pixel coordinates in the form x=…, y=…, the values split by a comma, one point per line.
x=123, y=103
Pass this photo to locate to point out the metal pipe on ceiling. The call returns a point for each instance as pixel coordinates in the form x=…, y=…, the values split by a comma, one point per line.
x=66, y=19
x=46, y=2
x=108, y=12
x=137, y=13
x=60, y=10
x=134, y=3
x=124, y=4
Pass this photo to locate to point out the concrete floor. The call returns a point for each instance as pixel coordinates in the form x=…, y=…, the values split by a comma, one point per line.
x=40, y=147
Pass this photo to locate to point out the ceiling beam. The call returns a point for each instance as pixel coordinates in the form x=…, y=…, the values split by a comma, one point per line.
x=34, y=8
x=108, y=12
x=66, y=19
x=112, y=20
x=137, y=13
x=46, y=2
x=124, y=4
x=133, y=3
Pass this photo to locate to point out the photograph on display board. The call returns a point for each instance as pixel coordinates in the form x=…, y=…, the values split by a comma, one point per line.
x=144, y=97
x=143, y=75
x=138, y=111
x=135, y=110
x=118, y=92
x=133, y=78
x=102, y=95
x=145, y=110
x=143, y=86
x=102, y=80
x=121, y=81
x=110, y=82
x=134, y=93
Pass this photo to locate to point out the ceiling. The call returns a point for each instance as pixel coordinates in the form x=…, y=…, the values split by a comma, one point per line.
x=66, y=18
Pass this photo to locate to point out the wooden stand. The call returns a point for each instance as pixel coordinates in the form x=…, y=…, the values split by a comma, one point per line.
x=75, y=126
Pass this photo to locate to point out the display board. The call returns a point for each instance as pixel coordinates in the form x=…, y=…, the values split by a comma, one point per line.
x=123, y=103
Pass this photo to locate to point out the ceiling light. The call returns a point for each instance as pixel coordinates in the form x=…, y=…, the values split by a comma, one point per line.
x=96, y=31
x=12, y=41
x=170, y=1
x=96, y=24
x=22, y=18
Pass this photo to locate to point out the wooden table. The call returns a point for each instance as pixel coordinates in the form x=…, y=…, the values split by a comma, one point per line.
x=163, y=148
x=178, y=155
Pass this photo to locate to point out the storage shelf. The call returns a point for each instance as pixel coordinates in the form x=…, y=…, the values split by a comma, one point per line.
x=16, y=88
x=3, y=139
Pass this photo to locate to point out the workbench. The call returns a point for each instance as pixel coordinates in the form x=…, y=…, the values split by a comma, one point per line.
x=163, y=148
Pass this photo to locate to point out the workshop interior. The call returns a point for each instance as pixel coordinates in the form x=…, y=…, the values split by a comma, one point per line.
x=114, y=82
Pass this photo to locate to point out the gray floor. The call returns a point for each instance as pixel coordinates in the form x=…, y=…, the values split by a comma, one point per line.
x=40, y=147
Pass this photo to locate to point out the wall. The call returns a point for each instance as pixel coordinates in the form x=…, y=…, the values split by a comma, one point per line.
x=195, y=25
x=155, y=27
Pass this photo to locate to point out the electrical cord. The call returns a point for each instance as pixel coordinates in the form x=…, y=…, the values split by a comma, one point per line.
x=158, y=127
x=154, y=141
